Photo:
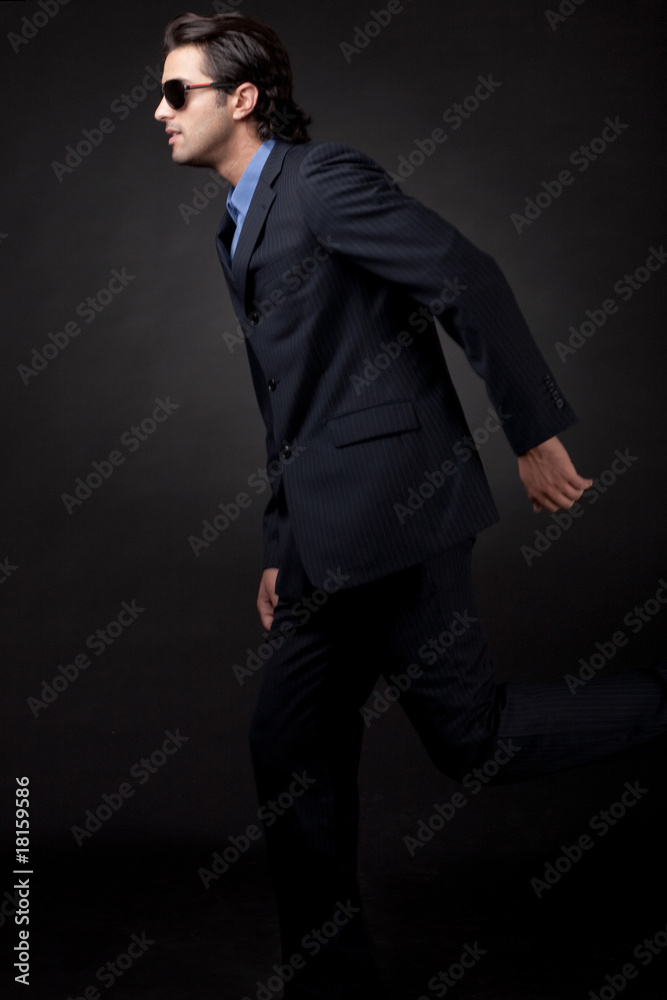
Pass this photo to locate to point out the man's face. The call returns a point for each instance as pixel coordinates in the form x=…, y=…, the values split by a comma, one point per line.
x=200, y=131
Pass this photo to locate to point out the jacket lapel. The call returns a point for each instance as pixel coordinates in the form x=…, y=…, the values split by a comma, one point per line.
x=260, y=206
x=223, y=242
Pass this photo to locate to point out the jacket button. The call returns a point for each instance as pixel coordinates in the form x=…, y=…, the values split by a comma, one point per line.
x=285, y=452
x=272, y=385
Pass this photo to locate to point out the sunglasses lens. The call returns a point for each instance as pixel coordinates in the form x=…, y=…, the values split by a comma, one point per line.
x=174, y=92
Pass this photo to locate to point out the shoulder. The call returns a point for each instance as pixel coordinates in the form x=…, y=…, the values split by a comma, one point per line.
x=316, y=162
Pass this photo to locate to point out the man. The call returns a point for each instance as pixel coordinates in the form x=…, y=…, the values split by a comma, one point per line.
x=369, y=531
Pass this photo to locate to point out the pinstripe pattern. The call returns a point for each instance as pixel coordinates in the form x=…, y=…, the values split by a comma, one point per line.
x=334, y=261
x=307, y=719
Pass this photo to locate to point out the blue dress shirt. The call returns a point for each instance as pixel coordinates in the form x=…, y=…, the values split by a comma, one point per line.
x=239, y=198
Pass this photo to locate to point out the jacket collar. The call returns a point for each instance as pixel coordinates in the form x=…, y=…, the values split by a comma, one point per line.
x=260, y=206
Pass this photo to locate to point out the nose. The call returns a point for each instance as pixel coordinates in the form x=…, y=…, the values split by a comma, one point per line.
x=163, y=111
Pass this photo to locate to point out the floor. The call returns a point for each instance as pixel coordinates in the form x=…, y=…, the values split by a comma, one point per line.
x=188, y=942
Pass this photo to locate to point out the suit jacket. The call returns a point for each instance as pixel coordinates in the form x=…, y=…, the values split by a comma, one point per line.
x=335, y=281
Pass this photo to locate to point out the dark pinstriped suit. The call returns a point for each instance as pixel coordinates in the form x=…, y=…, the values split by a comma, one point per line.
x=333, y=266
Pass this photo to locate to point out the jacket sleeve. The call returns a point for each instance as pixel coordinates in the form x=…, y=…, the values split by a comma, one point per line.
x=271, y=520
x=349, y=201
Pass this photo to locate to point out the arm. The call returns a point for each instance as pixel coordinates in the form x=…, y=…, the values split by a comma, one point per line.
x=379, y=228
x=271, y=518
x=348, y=199
x=267, y=597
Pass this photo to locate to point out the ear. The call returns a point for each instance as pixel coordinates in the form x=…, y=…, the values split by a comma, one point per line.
x=244, y=100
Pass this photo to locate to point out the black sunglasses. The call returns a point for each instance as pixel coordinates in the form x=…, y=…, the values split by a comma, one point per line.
x=174, y=91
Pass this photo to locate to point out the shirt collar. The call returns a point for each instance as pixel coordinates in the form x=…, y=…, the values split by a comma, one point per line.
x=239, y=197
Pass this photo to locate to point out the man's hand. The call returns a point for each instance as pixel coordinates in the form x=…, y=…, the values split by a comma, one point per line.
x=551, y=480
x=267, y=597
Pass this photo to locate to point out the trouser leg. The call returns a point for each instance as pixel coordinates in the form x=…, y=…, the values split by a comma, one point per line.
x=461, y=714
x=307, y=725
x=306, y=735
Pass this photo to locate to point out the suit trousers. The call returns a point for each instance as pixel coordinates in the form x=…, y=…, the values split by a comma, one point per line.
x=306, y=735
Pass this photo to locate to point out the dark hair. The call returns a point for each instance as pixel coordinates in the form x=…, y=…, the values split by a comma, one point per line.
x=239, y=49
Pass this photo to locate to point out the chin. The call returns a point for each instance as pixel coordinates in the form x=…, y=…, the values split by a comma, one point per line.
x=189, y=160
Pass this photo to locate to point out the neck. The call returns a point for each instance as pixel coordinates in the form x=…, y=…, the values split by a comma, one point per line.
x=235, y=160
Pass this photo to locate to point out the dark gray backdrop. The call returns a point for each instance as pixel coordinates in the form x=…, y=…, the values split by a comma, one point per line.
x=69, y=567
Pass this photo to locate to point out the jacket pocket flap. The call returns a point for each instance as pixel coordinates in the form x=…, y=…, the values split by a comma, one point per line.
x=373, y=422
